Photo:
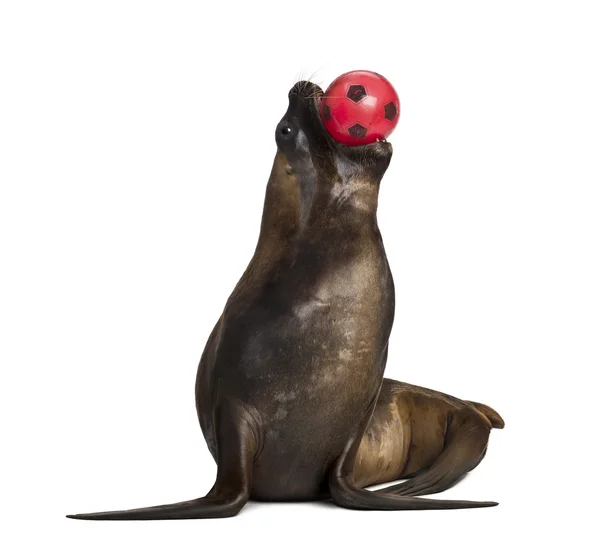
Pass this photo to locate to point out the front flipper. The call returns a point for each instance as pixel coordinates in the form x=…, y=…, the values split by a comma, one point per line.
x=236, y=446
x=345, y=494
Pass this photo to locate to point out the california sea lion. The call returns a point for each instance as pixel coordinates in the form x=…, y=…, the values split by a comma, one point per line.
x=291, y=373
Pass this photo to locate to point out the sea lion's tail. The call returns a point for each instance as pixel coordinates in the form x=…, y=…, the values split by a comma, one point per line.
x=495, y=419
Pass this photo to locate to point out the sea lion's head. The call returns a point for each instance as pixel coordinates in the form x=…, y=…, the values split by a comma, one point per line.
x=322, y=168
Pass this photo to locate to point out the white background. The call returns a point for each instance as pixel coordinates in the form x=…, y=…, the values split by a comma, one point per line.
x=136, y=139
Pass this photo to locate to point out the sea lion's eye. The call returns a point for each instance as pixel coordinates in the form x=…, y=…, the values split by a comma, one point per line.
x=284, y=128
x=286, y=134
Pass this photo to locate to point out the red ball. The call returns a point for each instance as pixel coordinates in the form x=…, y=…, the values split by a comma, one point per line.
x=360, y=107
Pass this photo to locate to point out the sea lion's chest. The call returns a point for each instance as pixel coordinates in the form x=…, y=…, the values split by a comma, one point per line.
x=309, y=318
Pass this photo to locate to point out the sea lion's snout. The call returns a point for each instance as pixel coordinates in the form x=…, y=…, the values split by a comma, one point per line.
x=300, y=124
x=306, y=89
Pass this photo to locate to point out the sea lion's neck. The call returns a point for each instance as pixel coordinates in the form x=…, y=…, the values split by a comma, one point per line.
x=280, y=212
x=278, y=229
x=299, y=200
x=357, y=194
x=340, y=202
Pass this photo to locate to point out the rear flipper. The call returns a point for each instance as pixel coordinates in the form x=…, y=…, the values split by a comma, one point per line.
x=495, y=419
x=236, y=446
x=464, y=450
x=346, y=494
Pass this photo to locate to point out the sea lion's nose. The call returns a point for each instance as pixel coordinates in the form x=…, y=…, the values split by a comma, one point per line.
x=306, y=89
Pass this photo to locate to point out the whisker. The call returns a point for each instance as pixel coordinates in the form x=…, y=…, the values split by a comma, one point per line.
x=298, y=77
x=315, y=73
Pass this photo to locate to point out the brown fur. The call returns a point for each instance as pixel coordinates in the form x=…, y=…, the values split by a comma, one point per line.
x=413, y=428
x=291, y=376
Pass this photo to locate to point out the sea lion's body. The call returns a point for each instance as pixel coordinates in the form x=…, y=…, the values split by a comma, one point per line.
x=288, y=384
x=303, y=343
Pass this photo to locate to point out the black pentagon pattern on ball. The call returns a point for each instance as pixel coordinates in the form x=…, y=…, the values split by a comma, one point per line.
x=390, y=111
x=356, y=92
x=357, y=131
x=326, y=112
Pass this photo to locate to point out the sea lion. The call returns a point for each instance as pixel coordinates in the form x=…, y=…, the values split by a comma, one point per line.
x=291, y=373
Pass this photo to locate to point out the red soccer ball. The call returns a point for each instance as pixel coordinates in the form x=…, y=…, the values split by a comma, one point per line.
x=360, y=107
